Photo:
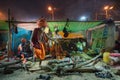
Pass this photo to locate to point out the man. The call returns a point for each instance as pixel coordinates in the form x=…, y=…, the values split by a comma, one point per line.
x=39, y=39
x=56, y=48
x=24, y=50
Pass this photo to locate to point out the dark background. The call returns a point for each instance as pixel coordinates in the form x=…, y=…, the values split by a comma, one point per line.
x=29, y=10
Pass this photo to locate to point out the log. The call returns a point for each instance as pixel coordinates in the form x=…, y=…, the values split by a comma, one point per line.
x=87, y=62
x=88, y=70
x=9, y=63
x=75, y=65
x=61, y=71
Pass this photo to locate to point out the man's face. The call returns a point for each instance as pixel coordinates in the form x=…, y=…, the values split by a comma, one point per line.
x=41, y=24
x=23, y=40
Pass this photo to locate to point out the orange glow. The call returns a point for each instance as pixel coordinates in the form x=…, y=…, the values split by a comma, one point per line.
x=106, y=7
x=0, y=13
x=111, y=7
x=50, y=8
x=2, y=16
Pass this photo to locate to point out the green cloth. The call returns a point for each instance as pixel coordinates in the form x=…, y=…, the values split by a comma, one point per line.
x=74, y=26
x=3, y=26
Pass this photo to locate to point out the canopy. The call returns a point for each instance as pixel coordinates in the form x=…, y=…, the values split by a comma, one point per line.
x=74, y=26
x=24, y=29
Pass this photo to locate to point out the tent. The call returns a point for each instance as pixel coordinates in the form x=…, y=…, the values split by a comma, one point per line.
x=25, y=29
x=16, y=37
x=75, y=28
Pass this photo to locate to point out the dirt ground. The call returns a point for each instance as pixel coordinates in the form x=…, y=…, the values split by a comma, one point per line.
x=24, y=75
x=21, y=74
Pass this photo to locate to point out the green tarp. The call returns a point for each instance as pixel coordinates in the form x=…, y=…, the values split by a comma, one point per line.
x=74, y=26
x=3, y=26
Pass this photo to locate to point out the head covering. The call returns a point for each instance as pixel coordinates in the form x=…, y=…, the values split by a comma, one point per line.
x=42, y=22
x=23, y=40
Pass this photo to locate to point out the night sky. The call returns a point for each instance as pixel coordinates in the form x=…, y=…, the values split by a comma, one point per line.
x=30, y=10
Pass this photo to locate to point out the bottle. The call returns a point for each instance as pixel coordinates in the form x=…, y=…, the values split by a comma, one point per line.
x=106, y=56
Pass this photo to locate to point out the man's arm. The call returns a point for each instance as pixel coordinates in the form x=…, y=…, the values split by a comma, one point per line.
x=34, y=36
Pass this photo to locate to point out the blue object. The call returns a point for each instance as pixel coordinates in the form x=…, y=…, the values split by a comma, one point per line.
x=16, y=38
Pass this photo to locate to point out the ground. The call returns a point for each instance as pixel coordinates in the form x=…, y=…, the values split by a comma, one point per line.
x=23, y=75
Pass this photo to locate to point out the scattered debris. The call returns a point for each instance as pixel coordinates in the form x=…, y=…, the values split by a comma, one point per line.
x=8, y=71
x=43, y=77
x=104, y=75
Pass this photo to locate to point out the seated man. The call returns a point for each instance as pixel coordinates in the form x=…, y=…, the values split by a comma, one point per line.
x=24, y=49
